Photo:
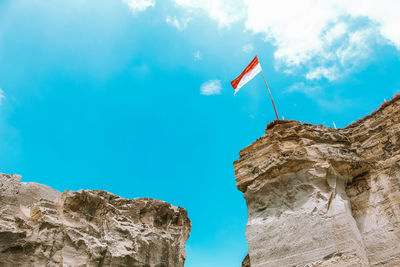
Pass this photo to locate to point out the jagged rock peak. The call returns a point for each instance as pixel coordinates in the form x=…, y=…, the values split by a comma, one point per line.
x=40, y=226
x=319, y=196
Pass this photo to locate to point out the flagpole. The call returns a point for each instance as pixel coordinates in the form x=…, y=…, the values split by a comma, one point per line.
x=276, y=113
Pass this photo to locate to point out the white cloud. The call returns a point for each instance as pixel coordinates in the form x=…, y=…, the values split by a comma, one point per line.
x=197, y=55
x=336, y=32
x=211, y=87
x=357, y=47
x=180, y=24
x=247, y=48
x=2, y=96
x=317, y=36
x=139, y=5
x=224, y=12
x=330, y=73
x=325, y=39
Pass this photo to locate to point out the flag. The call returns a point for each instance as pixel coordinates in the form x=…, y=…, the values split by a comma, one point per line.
x=249, y=73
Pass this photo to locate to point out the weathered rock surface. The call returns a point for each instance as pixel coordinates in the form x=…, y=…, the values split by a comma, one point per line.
x=318, y=196
x=40, y=226
x=246, y=261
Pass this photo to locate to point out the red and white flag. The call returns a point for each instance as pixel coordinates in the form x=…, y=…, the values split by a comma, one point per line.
x=249, y=73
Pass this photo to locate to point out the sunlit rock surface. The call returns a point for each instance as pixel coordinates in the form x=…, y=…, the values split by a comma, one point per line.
x=40, y=226
x=318, y=196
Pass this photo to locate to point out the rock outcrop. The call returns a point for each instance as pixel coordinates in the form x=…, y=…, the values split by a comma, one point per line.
x=40, y=226
x=318, y=196
x=246, y=261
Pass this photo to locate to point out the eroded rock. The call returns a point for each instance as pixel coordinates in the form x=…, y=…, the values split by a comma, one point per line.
x=40, y=226
x=318, y=196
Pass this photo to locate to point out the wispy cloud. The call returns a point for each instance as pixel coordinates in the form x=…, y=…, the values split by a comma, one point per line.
x=319, y=39
x=2, y=96
x=180, y=24
x=139, y=5
x=303, y=88
x=337, y=38
x=330, y=73
x=224, y=12
x=197, y=55
x=322, y=39
x=247, y=48
x=211, y=87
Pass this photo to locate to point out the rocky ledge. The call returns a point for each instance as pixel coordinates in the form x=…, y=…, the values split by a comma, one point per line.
x=318, y=196
x=40, y=226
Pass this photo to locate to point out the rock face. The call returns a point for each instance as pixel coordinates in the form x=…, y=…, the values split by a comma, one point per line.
x=246, y=261
x=40, y=226
x=318, y=196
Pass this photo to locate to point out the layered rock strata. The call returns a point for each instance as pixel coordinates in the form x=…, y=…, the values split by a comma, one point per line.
x=318, y=196
x=40, y=226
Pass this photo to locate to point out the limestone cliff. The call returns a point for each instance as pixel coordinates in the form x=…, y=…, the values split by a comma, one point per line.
x=318, y=196
x=40, y=226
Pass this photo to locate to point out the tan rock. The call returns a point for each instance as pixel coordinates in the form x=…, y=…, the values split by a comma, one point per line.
x=40, y=226
x=318, y=196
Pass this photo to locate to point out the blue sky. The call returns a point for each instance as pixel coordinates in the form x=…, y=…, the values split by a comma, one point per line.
x=133, y=97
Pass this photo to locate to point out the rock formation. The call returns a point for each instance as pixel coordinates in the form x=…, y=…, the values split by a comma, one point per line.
x=246, y=261
x=40, y=226
x=318, y=196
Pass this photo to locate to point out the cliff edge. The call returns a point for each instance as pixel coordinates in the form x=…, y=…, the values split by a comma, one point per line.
x=40, y=226
x=318, y=196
